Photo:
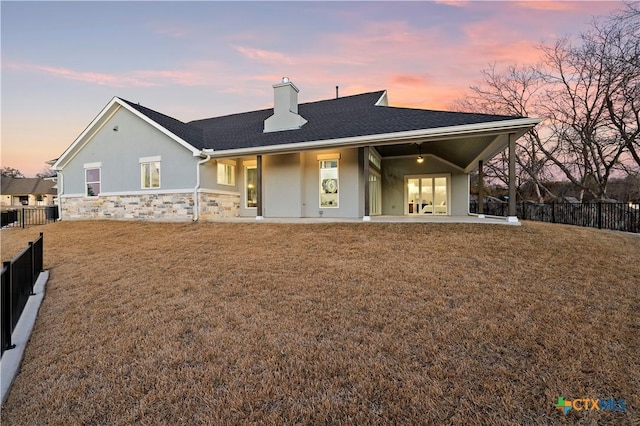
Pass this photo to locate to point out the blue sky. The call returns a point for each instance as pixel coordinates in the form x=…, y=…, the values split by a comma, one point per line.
x=63, y=61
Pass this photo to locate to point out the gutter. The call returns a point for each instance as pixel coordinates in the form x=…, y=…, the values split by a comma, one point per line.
x=518, y=126
x=196, y=204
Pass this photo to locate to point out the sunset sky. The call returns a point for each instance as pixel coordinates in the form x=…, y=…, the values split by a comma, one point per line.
x=63, y=61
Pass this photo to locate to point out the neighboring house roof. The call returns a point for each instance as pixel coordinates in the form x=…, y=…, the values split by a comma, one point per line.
x=26, y=186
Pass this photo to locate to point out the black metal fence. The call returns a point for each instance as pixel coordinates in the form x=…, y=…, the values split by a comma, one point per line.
x=601, y=215
x=18, y=278
x=29, y=216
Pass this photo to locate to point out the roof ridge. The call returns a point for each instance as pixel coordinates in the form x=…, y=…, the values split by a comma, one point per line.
x=237, y=114
x=138, y=105
x=453, y=112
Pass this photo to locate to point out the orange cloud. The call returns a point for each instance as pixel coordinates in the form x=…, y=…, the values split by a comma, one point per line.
x=408, y=79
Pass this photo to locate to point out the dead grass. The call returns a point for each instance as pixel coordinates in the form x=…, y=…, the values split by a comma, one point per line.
x=329, y=324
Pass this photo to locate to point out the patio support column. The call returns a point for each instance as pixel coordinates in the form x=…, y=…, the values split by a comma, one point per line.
x=259, y=188
x=365, y=173
x=480, y=188
x=512, y=180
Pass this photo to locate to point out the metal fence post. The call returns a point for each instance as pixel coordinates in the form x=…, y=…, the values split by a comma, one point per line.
x=31, y=268
x=599, y=214
x=7, y=314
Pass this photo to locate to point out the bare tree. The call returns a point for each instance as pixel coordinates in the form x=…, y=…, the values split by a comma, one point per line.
x=589, y=94
x=514, y=92
x=10, y=172
x=617, y=41
x=46, y=172
x=583, y=146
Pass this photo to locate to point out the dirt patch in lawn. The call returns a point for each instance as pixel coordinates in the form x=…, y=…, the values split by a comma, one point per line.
x=340, y=323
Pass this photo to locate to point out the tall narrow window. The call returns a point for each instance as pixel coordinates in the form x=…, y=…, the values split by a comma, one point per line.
x=92, y=181
x=150, y=172
x=329, y=183
x=251, y=186
x=226, y=173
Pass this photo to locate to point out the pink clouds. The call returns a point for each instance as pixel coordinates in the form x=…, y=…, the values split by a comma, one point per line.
x=268, y=56
x=133, y=78
x=555, y=6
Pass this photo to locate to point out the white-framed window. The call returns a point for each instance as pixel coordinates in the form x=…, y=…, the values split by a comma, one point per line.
x=374, y=158
x=150, y=172
x=329, y=183
x=226, y=172
x=92, y=179
x=251, y=184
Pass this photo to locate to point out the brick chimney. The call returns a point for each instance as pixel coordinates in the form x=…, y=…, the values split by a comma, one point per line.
x=285, y=108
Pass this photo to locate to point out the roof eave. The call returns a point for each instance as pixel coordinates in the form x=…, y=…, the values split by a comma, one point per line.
x=518, y=126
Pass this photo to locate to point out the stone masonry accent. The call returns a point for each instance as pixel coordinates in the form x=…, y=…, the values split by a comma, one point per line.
x=218, y=206
x=153, y=207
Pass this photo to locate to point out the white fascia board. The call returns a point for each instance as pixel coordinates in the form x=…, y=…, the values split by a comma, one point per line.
x=101, y=119
x=173, y=136
x=518, y=126
x=91, y=130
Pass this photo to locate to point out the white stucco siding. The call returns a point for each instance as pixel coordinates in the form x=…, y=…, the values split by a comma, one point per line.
x=282, y=185
x=349, y=185
x=119, y=154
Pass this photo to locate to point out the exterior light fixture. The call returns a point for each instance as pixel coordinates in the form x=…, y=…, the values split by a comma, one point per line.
x=285, y=79
x=420, y=158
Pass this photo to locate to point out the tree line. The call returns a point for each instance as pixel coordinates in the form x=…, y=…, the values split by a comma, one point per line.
x=588, y=93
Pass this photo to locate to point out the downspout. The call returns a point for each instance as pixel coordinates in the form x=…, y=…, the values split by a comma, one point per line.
x=60, y=193
x=196, y=204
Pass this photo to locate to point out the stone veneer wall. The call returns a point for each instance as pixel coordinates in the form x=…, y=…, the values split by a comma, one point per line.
x=218, y=206
x=158, y=207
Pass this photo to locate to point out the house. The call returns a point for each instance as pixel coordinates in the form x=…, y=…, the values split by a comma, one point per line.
x=348, y=157
x=27, y=192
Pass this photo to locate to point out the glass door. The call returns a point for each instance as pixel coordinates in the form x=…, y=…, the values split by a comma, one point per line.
x=375, y=191
x=427, y=195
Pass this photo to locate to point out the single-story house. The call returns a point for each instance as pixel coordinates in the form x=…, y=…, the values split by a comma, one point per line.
x=348, y=157
x=27, y=192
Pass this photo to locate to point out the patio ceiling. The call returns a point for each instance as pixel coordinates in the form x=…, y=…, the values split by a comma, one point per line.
x=461, y=152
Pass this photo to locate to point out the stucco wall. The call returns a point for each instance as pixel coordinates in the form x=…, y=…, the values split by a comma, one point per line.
x=349, y=190
x=282, y=183
x=119, y=153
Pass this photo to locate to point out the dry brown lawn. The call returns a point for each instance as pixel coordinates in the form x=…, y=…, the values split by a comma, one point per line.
x=352, y=323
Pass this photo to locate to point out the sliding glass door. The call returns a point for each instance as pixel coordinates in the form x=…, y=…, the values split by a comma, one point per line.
x=427, y=195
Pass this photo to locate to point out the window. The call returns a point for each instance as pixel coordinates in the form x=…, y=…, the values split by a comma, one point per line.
x=226, y=172
x=251, y=186
x=150, y=172
x=329, y=183
x=92, y=181
x=374, y=159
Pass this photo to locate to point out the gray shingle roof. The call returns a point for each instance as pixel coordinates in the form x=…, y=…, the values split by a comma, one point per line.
x=345, y=117
x=186, y=132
